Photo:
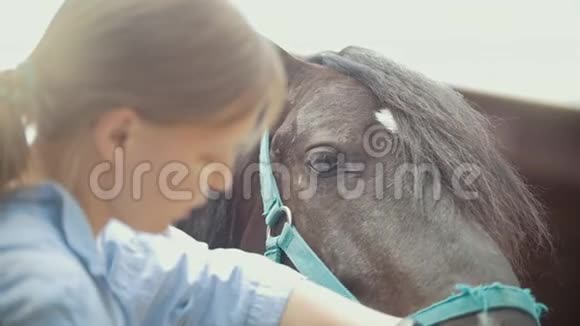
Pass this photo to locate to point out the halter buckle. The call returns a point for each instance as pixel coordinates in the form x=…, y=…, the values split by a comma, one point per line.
x=287, y=212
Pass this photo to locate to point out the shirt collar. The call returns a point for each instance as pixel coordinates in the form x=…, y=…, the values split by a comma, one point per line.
x=72, y=222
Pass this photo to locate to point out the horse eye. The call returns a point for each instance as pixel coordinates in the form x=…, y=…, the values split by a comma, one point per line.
x=322, y=161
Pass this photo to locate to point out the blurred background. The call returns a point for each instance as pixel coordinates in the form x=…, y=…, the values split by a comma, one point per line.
x=522, y=48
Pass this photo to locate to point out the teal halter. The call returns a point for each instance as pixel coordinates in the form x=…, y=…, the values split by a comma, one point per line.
x=469, y=300
x=289, y=241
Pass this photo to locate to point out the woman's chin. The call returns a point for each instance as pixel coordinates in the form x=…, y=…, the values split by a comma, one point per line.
x=154, y=228
x=185, y=213
x=197, y=204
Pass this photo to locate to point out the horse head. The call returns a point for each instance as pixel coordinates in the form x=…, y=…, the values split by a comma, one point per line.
x=393, y=180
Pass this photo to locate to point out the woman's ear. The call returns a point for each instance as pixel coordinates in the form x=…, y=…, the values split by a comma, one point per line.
x=112, y=131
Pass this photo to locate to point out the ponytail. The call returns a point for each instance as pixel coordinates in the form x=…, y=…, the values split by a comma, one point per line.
x=14, y=151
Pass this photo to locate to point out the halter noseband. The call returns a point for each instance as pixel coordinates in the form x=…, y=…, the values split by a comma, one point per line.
x=468, y=300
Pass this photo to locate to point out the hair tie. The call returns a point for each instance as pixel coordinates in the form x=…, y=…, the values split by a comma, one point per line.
x=17, y=91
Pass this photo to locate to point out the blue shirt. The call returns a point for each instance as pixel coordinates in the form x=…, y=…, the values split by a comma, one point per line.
x=53, y=272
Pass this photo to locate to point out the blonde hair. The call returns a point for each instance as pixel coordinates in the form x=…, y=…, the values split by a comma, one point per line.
x=171, y=60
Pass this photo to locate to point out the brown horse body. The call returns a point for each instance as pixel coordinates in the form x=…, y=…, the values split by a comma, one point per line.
x=543, y=142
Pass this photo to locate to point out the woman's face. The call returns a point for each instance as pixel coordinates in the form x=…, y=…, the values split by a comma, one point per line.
x=168, y=170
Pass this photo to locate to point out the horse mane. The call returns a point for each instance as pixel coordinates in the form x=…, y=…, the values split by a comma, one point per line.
x=436, y=125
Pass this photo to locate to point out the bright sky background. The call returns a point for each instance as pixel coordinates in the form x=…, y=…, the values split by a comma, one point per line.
x=519, y=47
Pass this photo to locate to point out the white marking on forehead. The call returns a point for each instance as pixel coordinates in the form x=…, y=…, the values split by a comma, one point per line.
x=385, y=117
x=30, y=132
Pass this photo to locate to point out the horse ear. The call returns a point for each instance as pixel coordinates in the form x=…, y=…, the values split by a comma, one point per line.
x=286, y=57
x=278, y=48
x=292, y=64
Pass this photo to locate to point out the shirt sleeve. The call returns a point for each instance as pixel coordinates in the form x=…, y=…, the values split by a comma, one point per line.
x=171, y=279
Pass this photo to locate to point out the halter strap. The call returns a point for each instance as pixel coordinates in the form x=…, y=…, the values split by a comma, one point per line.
x=289, y=241
x=271, y=199
x=480, y=299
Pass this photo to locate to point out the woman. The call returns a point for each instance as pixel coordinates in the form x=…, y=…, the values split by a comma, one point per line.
x=124, y=95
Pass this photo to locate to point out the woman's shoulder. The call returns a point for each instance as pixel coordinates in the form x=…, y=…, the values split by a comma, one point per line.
x=33, y=239
x=31, y=225
x=39, y=274
x=23, y=227
x=46, y=286
x=45, y=278
x=35, y=270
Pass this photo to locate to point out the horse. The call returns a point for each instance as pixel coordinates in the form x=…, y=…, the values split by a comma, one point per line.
x=542, y=141
x=393, y=180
